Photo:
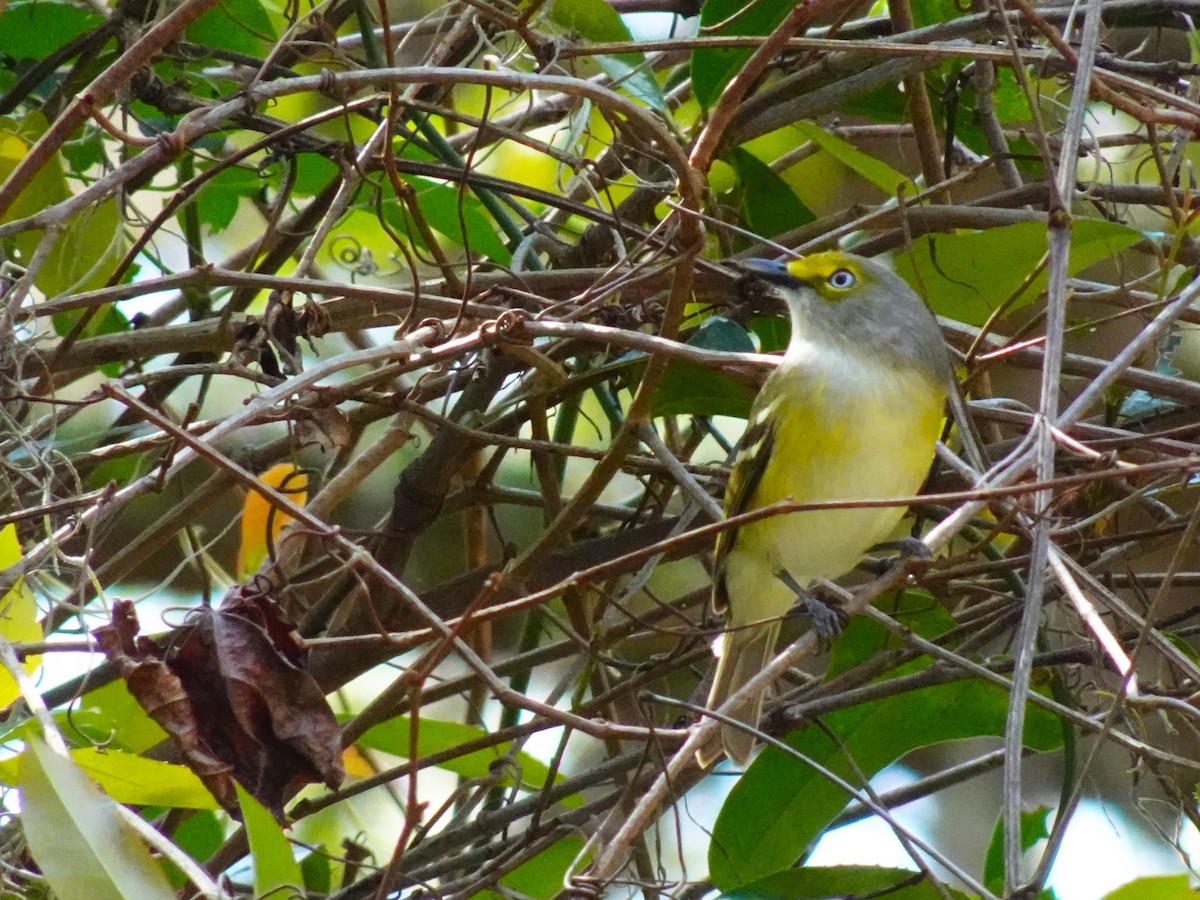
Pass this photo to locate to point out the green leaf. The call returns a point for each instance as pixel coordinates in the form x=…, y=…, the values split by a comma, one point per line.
x=772, y=332
x=239, y=25
x=313, y=173
x=77, y=837
x=1034, y=828
x=713, y=69
x=690, y=389
x=819, y=883
x=1009, y=98
x=885, y=103
x=873, y=170
x=317, y=871
x=433, y=736
x=769, y=205
x=542, y=876
x=864, y=639
x=968, y=275
x=84, y=255
x=129, y=724
x=35, y=29
x=781, y=805
x=85, y=150
x=597, y=21
x=442, y=205
x=132, y=779
x=275, y=868
x=199, y=837
x=220, y=197
x=1157, y=887
x=129, y=778
x=592, y=19
x=931, y=12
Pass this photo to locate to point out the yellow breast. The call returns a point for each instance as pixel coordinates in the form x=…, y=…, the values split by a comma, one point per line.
x=846, y=430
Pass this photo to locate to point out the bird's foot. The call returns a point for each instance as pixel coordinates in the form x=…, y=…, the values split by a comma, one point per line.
x=828, y=619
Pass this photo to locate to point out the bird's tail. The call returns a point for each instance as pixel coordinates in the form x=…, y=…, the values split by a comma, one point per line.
x=743, y=653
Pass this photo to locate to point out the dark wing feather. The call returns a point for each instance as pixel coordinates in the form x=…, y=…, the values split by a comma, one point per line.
x=753, y=455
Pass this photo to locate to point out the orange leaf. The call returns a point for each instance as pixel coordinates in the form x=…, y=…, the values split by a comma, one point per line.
x=262, y=522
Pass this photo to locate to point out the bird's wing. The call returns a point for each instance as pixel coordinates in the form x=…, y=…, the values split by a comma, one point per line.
x=750, y=462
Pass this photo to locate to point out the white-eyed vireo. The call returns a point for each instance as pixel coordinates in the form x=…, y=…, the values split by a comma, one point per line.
x=852, y=413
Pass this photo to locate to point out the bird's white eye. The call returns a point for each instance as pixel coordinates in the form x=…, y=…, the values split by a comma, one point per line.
x=841, y=279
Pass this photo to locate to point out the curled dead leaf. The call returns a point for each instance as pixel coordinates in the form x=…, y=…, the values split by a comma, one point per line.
x=230, y=689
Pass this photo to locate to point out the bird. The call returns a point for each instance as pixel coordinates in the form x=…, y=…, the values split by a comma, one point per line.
x=853, y=412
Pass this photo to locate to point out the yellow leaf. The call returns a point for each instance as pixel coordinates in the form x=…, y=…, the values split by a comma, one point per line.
x=355, y=763
x=261, y=522
x=18, y=613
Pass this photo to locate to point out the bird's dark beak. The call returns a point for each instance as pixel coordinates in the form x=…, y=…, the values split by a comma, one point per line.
x=772, y=271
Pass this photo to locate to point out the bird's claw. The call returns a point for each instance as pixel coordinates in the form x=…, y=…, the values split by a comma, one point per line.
x=828, y=619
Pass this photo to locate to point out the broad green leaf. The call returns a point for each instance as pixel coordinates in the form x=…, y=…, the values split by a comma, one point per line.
x=36, y=28
x=720, y=333
x=313, y=173
x=886, y=103
x=690, y=389
x=442, y=205
x=1009, y=99
x=968, y=275
x=317, y=871
x=769, y=205
x=48, y=186
x=85, y=150
x=931, y=12
x=873, y=170
x=597, y=21
x=77, y=837
x=130, y=725
x=18, y=614
x=772, y=332
x=1156, y=887
x=129, y=778
x=712, y=69
x=79, y=728
x=85, y=251
x=83, y=257
x=450, y=211
x=199, y=837
x=239, y=25
x=864, y=639
x=433, y=736
x=1034, y=828
x=542, y=876
x=275, y=868
x=819, y=883
x=781, y=806
x=218, y=200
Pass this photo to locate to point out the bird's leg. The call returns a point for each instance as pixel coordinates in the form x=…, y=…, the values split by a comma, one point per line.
x=827, y=620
